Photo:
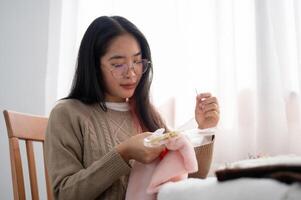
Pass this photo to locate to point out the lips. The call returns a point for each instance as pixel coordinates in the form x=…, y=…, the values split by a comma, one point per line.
x=128, y=86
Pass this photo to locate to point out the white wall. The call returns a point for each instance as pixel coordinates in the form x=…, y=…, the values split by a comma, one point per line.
x=24, y=37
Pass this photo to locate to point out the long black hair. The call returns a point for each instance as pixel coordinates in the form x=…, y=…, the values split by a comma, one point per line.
x=88, y=84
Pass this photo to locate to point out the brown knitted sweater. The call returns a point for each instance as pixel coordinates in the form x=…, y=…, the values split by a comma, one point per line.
x=80, y=156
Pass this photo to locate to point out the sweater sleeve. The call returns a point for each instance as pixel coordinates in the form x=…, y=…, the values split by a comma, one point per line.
x=64, y=160
x=204, y=158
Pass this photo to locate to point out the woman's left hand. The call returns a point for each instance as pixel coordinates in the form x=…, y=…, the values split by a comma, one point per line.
x=206, y=110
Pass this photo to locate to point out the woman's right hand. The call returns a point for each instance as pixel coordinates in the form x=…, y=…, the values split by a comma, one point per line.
x=133, y=148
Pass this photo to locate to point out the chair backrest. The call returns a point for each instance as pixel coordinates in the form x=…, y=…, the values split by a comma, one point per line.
x=31, y=129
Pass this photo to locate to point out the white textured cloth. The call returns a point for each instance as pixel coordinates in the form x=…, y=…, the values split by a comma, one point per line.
x=245, y=188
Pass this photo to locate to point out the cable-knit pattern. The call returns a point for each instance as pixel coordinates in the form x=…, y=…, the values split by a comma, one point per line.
x=120, y=125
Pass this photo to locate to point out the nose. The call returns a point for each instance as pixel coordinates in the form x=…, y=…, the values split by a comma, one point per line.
x=130, y=71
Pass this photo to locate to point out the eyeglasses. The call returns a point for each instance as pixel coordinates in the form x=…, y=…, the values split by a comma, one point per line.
x=121, y=70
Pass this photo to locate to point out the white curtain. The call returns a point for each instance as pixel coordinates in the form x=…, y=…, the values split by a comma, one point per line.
x=245, y=52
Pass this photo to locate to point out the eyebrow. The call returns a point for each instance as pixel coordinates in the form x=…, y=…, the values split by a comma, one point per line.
x=122, y=57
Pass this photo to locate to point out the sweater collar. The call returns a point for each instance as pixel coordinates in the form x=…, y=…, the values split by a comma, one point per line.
x=123, y=107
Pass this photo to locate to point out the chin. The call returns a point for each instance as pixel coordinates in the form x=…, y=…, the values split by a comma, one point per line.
x=127, y=95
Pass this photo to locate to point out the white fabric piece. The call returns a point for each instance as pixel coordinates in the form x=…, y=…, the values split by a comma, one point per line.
x=294, y=193
x=211, y=189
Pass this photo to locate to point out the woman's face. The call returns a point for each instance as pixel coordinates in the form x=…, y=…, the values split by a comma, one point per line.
x=121, y=80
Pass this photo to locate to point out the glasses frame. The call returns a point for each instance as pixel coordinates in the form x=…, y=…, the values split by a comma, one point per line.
x=146, y=65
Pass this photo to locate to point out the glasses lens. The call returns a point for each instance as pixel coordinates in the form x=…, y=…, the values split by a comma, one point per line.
x=121, y=70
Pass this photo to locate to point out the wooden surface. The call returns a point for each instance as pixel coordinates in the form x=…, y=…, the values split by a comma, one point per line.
x=29, y=128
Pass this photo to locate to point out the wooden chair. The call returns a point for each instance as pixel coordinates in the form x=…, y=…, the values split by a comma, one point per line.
x=31, y=129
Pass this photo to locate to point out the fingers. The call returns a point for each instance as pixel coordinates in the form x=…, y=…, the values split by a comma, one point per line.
x=207, y=110
x=206, y=102
x=154, y=149
x=157, y=150
x=212, y=114
x=209, y=107
x=134, y=148
x=206, y=98
x=209, y=100
x=203, y=96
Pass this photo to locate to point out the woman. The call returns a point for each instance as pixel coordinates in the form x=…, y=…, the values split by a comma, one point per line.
x=99, y=127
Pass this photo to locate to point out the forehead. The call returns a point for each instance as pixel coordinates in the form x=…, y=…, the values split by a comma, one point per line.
x=124, y=45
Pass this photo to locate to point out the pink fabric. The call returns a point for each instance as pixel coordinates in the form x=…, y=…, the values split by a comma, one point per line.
x=146, y=179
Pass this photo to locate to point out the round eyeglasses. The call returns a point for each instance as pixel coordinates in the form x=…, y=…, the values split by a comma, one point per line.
x=121, y=70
